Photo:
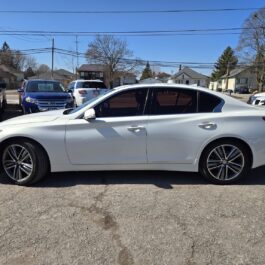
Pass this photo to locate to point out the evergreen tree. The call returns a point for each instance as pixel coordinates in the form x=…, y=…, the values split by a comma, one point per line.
x=147, y=72
x=226, y=62
x=6, y=56
x=29, y=72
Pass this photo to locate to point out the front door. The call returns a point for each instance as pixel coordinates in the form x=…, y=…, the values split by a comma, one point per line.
x=116, y=136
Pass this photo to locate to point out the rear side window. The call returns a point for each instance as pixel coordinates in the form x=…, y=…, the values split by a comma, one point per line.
x=173, y=101
x=209, y=103
x=90, y=85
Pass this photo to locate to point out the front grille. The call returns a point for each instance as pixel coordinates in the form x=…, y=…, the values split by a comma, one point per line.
x=51, y=103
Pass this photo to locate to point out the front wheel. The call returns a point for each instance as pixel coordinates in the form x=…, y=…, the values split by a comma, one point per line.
x=224, y=162
x=24, y=162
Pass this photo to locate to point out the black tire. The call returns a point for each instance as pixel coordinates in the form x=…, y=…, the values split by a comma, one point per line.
x=37, y=157
x=4, y=105
x=231, y=166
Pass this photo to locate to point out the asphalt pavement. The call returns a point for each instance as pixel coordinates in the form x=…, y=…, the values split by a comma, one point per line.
x=132, y=218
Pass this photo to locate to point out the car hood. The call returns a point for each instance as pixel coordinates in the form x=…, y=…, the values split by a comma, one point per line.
x=52, y=95
x=39, y=117
x=259, y=94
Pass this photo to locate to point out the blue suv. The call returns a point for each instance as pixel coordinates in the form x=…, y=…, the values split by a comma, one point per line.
x=43, y=95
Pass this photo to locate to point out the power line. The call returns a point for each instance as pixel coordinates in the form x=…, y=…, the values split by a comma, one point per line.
x=126, y=11
x=194, y=31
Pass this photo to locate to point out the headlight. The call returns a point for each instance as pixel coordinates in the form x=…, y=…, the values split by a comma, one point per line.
x=31, y=100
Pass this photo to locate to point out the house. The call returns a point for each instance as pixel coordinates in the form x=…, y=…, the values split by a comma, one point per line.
x=91, y=71
x=190, y=77
x=125, y=78
x=239, y=77
x=150, y=81
x=10, y=76
x=97, y=71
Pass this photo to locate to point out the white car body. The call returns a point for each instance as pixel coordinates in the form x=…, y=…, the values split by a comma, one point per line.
x=83, y=93
x=145, y=142
x=257, y=99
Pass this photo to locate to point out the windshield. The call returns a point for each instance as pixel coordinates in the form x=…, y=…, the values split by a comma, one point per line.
x=44, y=86
x=88, y=102
x=90, y=84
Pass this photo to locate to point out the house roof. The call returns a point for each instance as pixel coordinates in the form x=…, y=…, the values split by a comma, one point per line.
x=191, y=73
x=9, y=69
x=234, y=72
x=64, y=72
x=91, y=68
x=48, y=76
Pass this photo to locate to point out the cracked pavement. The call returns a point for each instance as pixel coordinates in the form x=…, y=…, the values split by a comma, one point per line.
x=129, y=218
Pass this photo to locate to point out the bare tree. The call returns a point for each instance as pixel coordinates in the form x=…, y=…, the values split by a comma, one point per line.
x=252, y=45
x=43, y=68
x=113, y=53
x=30, y=62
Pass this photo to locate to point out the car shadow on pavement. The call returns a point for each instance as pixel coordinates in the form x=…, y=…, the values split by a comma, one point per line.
x=161, y=179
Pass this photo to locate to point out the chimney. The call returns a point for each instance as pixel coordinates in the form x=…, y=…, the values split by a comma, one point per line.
x=180, y=66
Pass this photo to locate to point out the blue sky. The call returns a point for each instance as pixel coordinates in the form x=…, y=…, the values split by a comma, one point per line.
x=197, y=48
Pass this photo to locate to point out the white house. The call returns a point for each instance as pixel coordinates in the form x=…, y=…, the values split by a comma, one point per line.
x=190, y=77
x=239, y=77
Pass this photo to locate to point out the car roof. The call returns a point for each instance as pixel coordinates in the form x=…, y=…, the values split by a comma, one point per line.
x=88, y=80
x=42, y=80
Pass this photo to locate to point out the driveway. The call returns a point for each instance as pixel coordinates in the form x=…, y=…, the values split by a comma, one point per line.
x=129, y=218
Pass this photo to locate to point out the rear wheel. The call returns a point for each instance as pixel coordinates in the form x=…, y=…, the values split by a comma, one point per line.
x=225, y=162
x=24, y=162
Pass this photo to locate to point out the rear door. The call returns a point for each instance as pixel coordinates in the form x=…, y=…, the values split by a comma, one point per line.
x=177, y=125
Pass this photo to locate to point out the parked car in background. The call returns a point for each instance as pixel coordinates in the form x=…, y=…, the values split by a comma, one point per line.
x=242, y=90
x=257, y=99
x=2, y=96
x=139, y=127
x=84, y=90
x=43, y=95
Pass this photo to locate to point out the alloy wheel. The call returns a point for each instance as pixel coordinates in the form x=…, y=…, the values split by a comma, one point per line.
x=225, y=162
x=17, y=162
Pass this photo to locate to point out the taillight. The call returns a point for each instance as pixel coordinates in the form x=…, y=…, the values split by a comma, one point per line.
x=82, y=92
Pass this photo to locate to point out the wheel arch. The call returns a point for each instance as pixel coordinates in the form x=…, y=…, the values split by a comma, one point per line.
x=234, y=139
x=22, y=138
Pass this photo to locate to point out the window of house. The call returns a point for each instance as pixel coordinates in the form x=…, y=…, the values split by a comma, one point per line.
x=127, y=103
x=173, y=101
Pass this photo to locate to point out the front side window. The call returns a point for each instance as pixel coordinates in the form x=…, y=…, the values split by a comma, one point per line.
x=173, y=101
x=127, y=103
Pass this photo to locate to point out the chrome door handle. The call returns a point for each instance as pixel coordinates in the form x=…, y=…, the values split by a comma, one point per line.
x=208, y=125
x=135, y=128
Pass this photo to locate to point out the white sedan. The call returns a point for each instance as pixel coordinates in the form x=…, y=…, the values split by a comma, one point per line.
x=140, y=127
x=257, y=99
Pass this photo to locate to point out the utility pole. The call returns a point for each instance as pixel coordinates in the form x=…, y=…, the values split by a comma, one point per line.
x=77, y=58
x=52, y=55
x=227, y=75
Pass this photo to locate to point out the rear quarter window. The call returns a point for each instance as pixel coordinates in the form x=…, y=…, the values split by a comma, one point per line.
x=209, y=103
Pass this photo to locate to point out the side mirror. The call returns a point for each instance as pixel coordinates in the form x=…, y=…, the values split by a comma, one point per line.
x=90, y=114
x=20, y=90
x=69, y=91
